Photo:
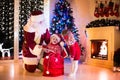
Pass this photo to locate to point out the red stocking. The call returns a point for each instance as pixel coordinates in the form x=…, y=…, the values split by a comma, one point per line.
x=116, y=10
x=101, y=9
x=96, y=12
x=111, y=4
x=106, y=9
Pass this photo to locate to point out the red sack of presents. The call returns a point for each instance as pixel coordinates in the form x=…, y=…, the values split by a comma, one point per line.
x=53, y=65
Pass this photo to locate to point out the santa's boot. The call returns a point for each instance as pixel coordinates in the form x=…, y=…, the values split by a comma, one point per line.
x=74, y=68
x=30, y=68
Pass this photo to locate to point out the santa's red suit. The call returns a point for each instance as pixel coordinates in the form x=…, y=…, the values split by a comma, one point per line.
x=54, y=61
x=35, y=34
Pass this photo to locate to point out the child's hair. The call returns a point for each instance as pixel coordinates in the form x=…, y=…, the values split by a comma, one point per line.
x=66, y=34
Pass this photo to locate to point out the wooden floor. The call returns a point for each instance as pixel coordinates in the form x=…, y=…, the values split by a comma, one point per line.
x=10, y=70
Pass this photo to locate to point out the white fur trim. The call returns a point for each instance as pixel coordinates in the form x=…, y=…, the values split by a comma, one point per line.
x=36, y=51
x=37, y=18
x=30, y=61
x=55, y=35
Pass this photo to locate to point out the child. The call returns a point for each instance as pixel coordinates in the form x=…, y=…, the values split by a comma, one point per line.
x=74, y=50
x=53, y=64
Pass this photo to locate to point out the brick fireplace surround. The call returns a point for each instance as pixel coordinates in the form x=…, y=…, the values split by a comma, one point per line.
x=112, y=34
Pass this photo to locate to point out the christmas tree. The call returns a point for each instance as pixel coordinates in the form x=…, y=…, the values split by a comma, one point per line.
x=63, y=19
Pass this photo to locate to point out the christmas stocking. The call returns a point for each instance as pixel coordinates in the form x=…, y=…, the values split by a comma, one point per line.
x=96, y=12
x=106, y=9
x=101, y=9
x=111, y=4
x=116, y=10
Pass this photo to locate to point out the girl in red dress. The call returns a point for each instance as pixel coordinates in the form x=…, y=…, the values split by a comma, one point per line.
x=74, y=50
x=54, y=57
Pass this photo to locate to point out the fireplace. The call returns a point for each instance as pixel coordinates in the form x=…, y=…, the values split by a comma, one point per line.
x=99, y=49
x=101, y=44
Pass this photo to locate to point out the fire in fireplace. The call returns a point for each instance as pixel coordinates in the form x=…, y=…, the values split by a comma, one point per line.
x=99, y=49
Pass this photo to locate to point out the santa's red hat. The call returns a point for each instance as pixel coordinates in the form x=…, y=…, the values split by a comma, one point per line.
x=37, y=16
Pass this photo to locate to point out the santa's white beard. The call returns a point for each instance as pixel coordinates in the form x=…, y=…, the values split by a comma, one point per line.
x=40, y=30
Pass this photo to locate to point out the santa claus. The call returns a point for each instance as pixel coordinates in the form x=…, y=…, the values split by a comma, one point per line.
x=35, y=34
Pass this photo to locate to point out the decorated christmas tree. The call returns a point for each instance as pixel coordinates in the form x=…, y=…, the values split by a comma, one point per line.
x=63, y=19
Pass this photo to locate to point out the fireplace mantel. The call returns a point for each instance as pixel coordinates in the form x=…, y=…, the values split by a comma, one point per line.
x=105, y=33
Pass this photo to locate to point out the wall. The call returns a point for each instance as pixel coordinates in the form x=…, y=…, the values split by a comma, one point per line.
x=82, y=17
